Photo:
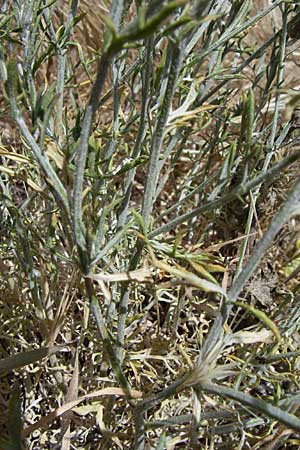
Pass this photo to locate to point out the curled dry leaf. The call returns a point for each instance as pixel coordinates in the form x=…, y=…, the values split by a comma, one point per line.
x=144, y=275
x=251, y=337
x=46, y=420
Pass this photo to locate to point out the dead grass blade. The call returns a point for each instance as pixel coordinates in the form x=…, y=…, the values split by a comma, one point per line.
x=25, y=358
x=45, y=421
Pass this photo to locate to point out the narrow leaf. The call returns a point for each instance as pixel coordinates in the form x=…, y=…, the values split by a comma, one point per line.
x=187, y=277
x=276, y=413
x=24, y=358
x=260, y=315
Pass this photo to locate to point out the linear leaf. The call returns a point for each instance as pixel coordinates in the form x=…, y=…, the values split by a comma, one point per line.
x=276, y=413
x=24, y=358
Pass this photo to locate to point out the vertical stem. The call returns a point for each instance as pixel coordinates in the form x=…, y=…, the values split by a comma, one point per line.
x=83, y=149
x=123, y=306
x=139, y=429
x=118, y=10
x=146, y=79
x=157, y=141
x=270, y=147
x=61, y=67
x=96, y=311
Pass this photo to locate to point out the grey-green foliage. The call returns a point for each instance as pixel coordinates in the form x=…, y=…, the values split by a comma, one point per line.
x=169, y=127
